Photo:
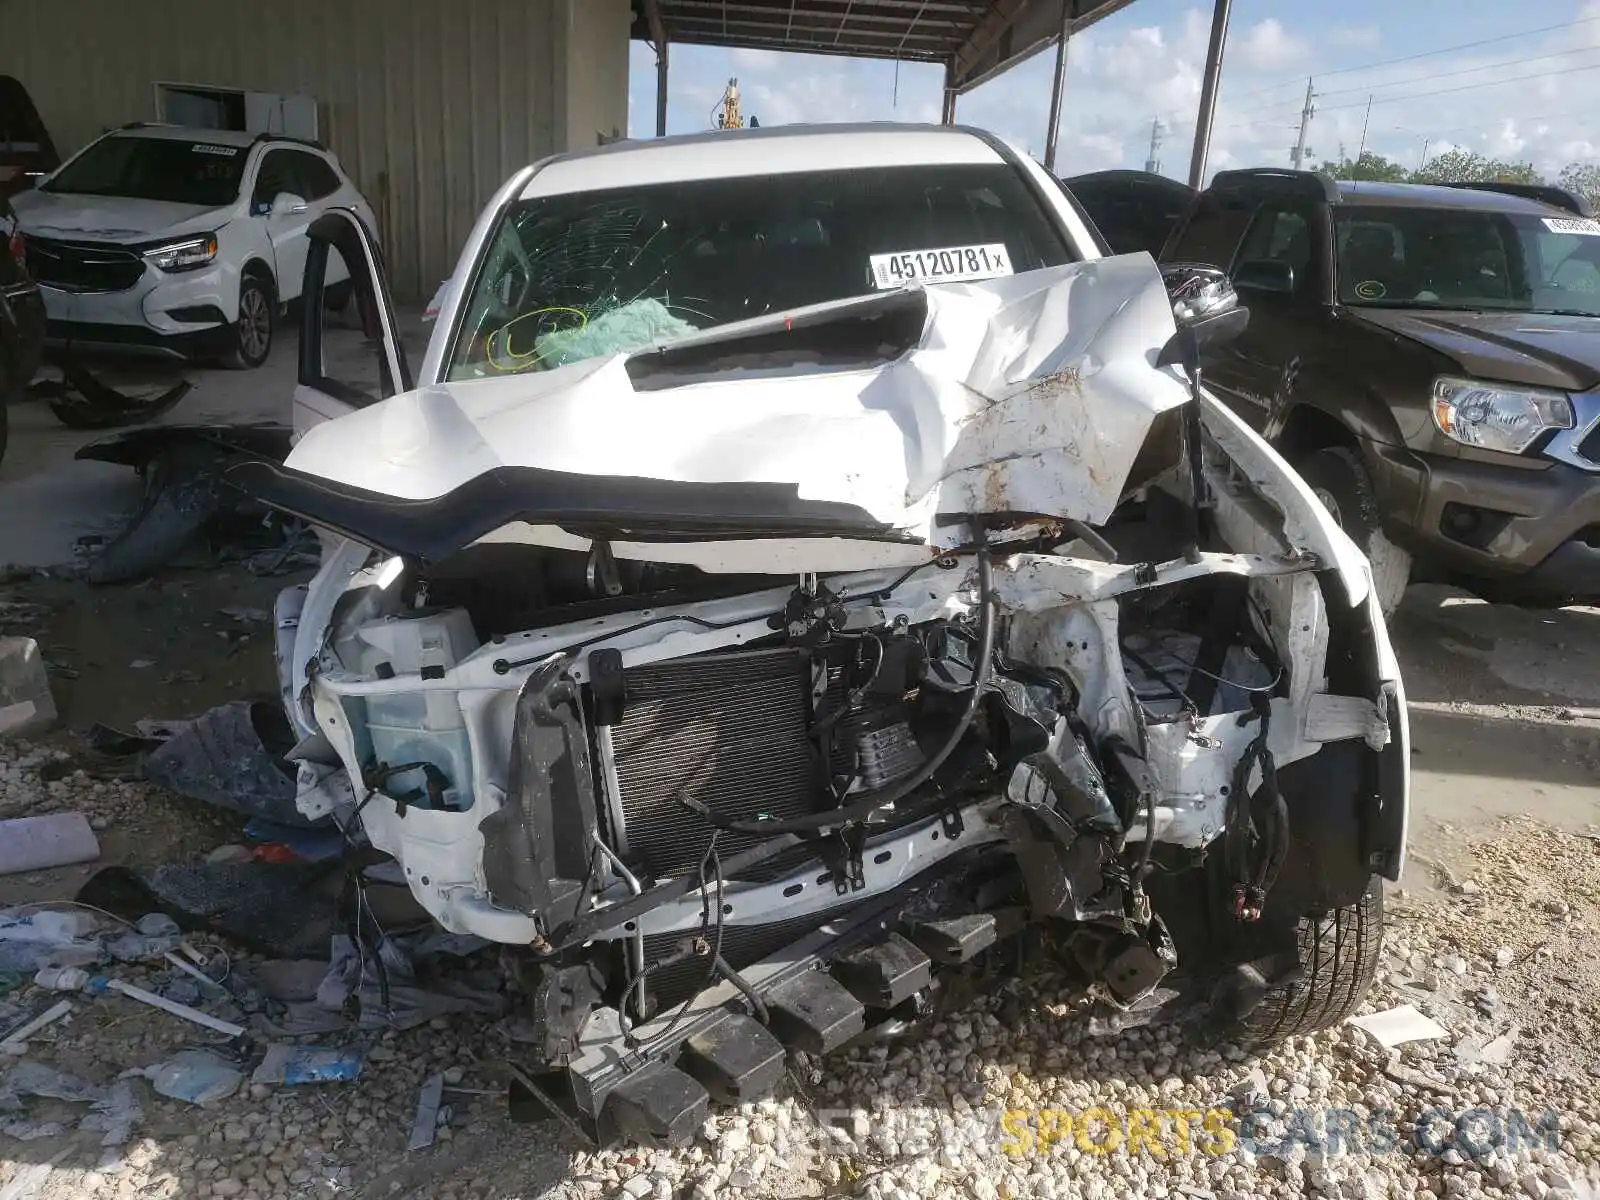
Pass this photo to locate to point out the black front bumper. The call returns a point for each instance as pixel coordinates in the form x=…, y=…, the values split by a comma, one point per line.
x=138, y=340
x=1533, y=533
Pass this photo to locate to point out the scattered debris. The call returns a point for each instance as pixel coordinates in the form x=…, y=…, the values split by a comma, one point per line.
x=233, y=757
x=26, y=1030
x=185, y=497
x=26, y=704
x=287, y=910
x=429, y=1098
x=52, y=840
x=80, y=401
x=176, y=1009
x=153, y=935
x=195, y=1076
x=1396, y=1026
x=289, y=1064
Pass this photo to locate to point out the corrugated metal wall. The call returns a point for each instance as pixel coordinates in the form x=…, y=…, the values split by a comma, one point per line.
x=429, y=104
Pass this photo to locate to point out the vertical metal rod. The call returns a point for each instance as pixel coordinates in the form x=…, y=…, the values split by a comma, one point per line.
x=637, y=942
x=1053, y=130
x=661, y=89
x=1208, y=93
x=948, y=115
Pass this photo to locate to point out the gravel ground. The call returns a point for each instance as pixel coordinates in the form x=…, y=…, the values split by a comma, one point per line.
x=1019, y=1096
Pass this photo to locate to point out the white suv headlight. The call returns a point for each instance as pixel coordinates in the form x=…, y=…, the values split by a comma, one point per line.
x=1497, y=416
x=186, y=255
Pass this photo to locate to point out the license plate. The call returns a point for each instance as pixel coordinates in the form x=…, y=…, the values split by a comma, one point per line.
x=949, y=264
x=1578, y=225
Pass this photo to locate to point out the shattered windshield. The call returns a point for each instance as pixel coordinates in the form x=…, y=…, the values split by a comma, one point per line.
x=180, y=171
x=1453, y=259
x=576, y=276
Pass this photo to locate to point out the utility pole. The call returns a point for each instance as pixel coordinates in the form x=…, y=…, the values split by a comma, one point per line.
x=1305, y=121
x=1153, y=163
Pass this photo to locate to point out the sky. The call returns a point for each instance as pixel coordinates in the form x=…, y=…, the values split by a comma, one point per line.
x=1519, y=81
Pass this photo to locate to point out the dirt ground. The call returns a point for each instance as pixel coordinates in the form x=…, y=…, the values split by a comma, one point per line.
x=1505, y=717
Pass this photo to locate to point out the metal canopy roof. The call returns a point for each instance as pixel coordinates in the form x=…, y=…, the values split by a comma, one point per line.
x=975, y=39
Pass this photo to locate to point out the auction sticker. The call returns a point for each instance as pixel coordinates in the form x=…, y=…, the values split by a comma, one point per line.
x=950, y=264
x=1579, y=225
x=208, y=148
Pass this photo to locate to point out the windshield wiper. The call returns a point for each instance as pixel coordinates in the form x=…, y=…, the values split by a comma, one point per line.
x=1561, y=312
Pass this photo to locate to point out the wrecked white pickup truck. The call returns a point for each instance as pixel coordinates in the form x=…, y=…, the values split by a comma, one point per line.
x=807, y=569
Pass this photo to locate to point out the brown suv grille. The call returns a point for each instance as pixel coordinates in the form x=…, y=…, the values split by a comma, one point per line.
x=83, y=266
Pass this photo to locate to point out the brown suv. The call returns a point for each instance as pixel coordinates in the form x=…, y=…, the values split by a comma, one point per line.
x=1429, y=358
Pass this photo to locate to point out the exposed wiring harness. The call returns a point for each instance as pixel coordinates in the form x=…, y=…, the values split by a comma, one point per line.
x=1261, y=818
x=715, y=952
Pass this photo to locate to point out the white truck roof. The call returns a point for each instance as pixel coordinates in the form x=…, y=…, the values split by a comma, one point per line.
x=733, y=153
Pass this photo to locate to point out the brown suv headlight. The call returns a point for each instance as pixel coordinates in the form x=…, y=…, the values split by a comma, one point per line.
x=1497, y=416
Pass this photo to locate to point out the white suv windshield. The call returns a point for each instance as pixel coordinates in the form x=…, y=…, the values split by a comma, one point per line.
x=146, y=168
x=1454, y=259
x=576, y=276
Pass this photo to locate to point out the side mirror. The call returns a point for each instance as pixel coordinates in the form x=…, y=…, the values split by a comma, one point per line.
x=1206, y=310
x=1263, y=275
x=287, y=204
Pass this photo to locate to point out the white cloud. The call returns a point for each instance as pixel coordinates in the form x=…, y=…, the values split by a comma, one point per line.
x=1268, y=46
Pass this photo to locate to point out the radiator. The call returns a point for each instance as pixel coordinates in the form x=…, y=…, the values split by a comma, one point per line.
x=726, y=730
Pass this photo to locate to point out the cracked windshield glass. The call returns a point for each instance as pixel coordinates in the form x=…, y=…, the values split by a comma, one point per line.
x=571, y=277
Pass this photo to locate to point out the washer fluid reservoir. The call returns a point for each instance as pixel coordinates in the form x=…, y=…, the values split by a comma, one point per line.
x=420, y=725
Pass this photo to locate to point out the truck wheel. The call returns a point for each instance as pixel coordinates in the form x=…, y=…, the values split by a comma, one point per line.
x=252, y=331
x=1341, y=482
x=1339, y=956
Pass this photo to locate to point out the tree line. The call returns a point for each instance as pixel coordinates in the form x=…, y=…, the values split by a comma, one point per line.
x=1464, y=166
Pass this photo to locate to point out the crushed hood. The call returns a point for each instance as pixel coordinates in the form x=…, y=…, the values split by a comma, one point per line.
x=109, y=218
x=1030, y=395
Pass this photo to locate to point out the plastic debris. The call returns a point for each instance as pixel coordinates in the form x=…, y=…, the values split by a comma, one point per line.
x=288, y=1064
x=427, y=1122
x=26, y=705
x=194, y=1076
x=1396, y=1026
x=153, y=935
x=176, y=1009
x=115, y=1115
x=62, y=979
x=53, y=840
x=25, y=1031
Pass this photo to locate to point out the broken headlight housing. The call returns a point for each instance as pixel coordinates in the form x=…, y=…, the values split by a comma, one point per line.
x=186, y=255
x=1496, y=416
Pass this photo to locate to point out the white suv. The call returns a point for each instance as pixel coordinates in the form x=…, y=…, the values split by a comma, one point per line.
x=179, y=241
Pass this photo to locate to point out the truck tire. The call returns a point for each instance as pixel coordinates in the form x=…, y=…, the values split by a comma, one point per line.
x=1340, y=480
x=1339, y=955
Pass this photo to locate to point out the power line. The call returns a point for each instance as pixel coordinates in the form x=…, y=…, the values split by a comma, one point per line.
x=1470, y=87
x=1510, y=62
x=1389, y=62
